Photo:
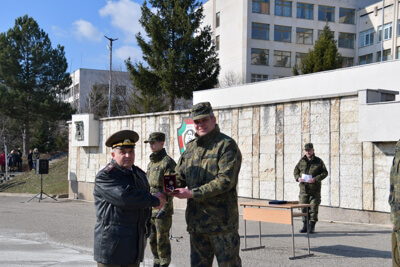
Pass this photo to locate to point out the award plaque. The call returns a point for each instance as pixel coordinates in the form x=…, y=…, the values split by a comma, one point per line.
x=169, y=183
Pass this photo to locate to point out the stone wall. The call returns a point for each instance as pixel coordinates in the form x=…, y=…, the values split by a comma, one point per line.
x=270, y=137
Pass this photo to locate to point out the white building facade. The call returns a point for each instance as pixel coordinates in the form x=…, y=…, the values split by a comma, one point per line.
x=263, y=39
x=84, y=79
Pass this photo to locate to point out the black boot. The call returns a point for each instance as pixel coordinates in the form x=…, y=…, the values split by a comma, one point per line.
x=164, y=265
x=304, y=229
x=312, y=226
x=156, y=265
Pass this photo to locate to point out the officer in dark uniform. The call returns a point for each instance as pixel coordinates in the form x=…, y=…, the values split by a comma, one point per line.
x=310, y=190
x=123, y=205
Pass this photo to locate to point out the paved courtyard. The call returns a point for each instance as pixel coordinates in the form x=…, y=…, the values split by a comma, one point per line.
x=60, y=233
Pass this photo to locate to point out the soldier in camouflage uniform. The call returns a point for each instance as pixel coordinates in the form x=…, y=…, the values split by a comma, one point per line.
x=161, y=220
x=209, y=168
x=394, y=202
x=310, y=192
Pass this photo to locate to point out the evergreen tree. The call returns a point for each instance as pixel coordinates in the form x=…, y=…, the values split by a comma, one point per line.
x=34, y=76
x=147, y=103
x=43, y=138
x=324, y=56
x=180, y=56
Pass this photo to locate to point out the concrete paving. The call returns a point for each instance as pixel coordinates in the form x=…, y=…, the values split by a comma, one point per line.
x=60, y=233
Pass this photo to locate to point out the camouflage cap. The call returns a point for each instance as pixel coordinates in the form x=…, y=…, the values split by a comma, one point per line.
x=201, y=110
x=156, y=136
x=124, y=138
x=308, y=146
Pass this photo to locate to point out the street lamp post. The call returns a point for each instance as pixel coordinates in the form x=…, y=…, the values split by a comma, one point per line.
x=110, y=85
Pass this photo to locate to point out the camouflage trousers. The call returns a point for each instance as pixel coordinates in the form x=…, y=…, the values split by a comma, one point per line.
x=159, y=240
x=395, y=249
x=310, y=196
x=224, y=245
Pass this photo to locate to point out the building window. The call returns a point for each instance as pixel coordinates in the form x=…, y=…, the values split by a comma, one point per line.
x=367, y=37
x=217, y=42
x=283, y=8
x=259, y=56
x=260, y=6
x=347, y=62
x=299, y=58
x=398, y=27
x=387, y=55
x=347, y=15
x=346, y=40
x=365, y=59
x=387, y=32
x=217, y=19
x=326, y=13
x=282, y=33
x=260, y=31
x=258, y=77
x=305, y=11
x=304, y=36
x=398, y=52
x=282, y=59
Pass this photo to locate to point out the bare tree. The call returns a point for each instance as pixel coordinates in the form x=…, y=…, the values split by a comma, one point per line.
x=231, y=79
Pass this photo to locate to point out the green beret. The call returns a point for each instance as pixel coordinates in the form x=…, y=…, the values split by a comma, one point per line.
x=201, y=110
x=308, y=146
x=124, y=138
x=156, y=136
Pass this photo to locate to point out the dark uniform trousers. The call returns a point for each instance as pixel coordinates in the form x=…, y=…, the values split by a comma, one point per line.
x=113, y=265
x=395, y=249
x=225, y=245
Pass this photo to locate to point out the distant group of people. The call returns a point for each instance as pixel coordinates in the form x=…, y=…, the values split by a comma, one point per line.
x=14, y=160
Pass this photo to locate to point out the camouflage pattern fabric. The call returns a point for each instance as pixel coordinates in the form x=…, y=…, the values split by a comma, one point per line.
x=225, y=246
x=160, y=164
x=394, y=202
x=159, y=240
x=210, y=168
x=311, y=193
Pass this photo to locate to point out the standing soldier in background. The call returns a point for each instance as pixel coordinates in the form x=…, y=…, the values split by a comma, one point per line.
x=394, y=202
x=310, y=190
x=161, y=220
x=209, y=168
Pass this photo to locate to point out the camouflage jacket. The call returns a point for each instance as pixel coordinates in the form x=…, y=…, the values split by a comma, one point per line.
x=160, y=164
x=394, y=196
x=314, y=167
x=210, y=168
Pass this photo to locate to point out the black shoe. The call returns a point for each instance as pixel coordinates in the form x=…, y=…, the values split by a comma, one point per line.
x=304, y=229
x=156, y=265
x=164, y=265
x=312, y=226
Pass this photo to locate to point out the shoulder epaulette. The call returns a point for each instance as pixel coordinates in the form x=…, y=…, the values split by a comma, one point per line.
x=140, y=170
x=109, y=167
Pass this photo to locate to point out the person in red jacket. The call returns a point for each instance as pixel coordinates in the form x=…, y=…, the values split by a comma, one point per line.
x=3, y=161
